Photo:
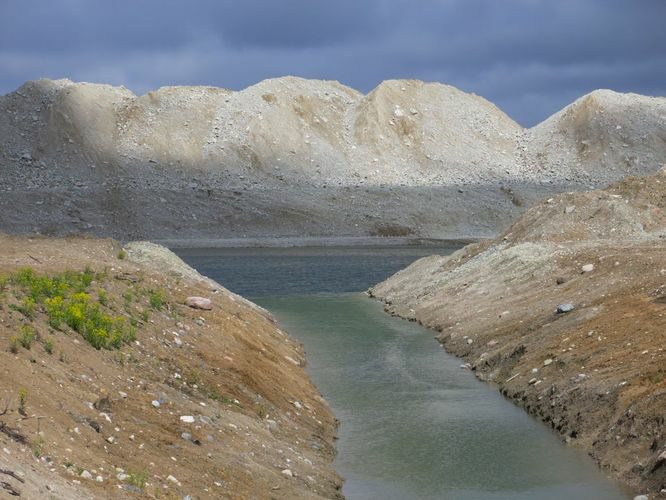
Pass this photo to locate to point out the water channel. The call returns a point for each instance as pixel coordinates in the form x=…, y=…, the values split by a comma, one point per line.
x=413, y=424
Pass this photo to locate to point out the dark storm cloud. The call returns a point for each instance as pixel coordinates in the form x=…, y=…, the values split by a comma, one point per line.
x=530, y=57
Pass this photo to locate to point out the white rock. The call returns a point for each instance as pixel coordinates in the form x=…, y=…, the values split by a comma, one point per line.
x=547, y=362
x=288, y=473
x=99, y=479
x=86, y=475
x=188, y=419
x=155, y=403
x=173, y=479
x=587, y=268
x=199, y=303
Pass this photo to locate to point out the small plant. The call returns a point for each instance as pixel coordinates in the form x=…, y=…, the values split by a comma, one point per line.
x=26, y=307
x=38, y=447
x=23, y=398
x=14, y=344
x=145, y=316
x=156, y=299
x=122, y=254
x=55, y=310
x=262, y=411
x=137, y=479
x=27, y=336
x=48, y=346
x=102, y=297
x=213, y=394
x=120, y=358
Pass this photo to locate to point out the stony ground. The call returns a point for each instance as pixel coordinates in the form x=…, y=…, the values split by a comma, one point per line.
x=202, y=404
x=292, y=157
x=595, y=371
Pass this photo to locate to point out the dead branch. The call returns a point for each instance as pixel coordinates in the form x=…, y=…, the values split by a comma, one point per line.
x=7, y=403
x=13, y=433
x=10, y=489
x=8, y=472
x=35, y=259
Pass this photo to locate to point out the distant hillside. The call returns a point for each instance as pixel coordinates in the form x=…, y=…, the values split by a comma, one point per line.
x=295, y=157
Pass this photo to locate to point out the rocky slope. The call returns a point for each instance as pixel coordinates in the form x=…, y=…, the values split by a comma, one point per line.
x=596, y=370
x=292, y=157
x=189, y=403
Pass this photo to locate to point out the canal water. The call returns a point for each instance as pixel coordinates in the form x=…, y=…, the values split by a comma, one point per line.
x=413, y=424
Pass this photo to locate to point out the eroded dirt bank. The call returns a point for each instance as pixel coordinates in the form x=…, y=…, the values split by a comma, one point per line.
x=597, y=373
x=176, y=401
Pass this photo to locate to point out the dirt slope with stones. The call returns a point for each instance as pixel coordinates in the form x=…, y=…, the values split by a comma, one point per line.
x=565, y=312
x=175, y=402
x=292, y=157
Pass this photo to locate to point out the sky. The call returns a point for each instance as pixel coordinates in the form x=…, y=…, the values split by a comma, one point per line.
x=529, y=57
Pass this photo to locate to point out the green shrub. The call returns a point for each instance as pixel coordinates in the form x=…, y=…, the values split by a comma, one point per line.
x=156, y=299
x=66, y=301
x=27, y=336
x=122, y=255
x=48, y=346
x=26, y=307
x=55, y=310
x=137, y=479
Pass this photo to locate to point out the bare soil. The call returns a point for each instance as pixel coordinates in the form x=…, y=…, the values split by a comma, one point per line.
x=596, y=374
x=255, y=412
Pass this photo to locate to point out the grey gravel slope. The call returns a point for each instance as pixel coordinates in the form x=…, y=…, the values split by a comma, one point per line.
x=292, y=157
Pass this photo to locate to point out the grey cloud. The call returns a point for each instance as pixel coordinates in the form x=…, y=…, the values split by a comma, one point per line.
x=530, y=57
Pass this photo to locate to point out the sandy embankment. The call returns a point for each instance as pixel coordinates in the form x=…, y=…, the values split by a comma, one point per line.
x=596, y=374
x=208, y=403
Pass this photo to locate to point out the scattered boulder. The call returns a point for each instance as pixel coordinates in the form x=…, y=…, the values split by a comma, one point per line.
x=587, y=268
x=199, y=303
x=564, y=308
